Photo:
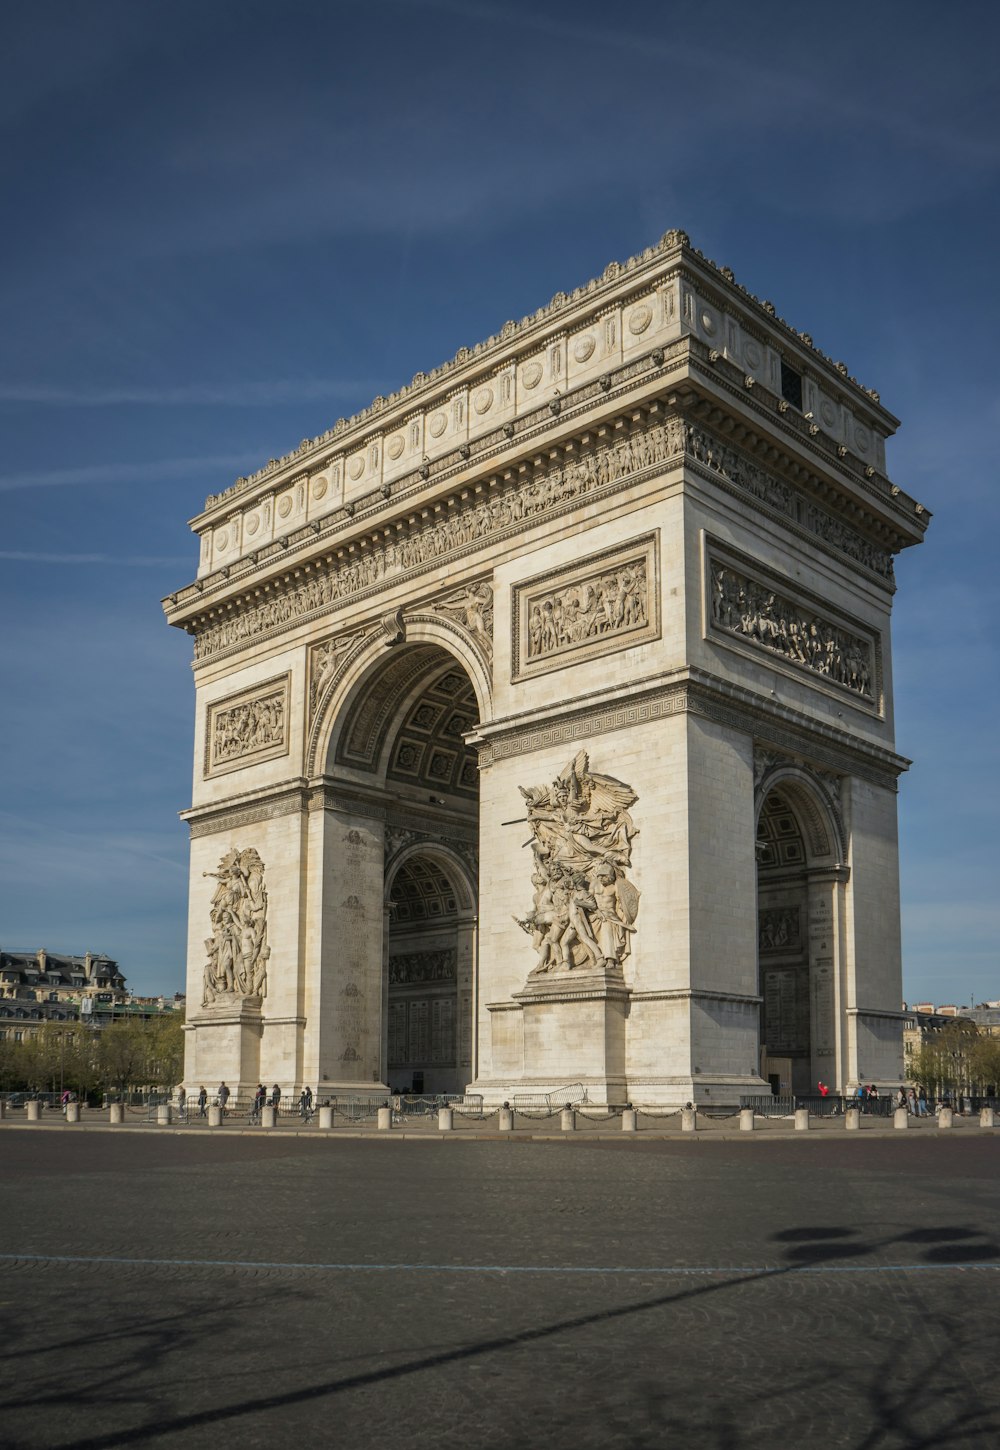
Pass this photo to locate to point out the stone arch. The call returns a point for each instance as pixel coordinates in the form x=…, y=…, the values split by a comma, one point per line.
x=385, y=660
x=801, y=875
x=815, y=806
x=445, y=856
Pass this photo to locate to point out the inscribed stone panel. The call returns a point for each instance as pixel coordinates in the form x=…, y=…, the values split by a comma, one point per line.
x=247, y=728
x=608, y=602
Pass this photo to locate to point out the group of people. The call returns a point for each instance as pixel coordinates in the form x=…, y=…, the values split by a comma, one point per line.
x=913, y=1099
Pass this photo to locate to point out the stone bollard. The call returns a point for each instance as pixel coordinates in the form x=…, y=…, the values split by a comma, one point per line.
x=900, y=1118
x=34, y=1110
x=852, y=1120
x=72, y=1112
x=164, y=1115
x=214, y=1116
x=506, y=1123
x=689, y=1120
x=326, y=1116
x=567, y=1119
x=746, y=1120
x=446, y=1120
x=384, y=1119
x=801, y=1120
x=630, y=1120
x=946, y=1118
x=268, y=1116
x=986, y=1117
x=116, y=1113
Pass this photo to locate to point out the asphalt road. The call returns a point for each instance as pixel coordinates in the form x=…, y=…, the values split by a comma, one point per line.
x=202, y=1292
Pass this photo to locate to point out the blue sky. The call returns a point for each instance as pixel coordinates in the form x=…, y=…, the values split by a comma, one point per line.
x=226, y=225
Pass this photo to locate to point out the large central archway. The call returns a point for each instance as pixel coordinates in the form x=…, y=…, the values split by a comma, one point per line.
x=399, y=881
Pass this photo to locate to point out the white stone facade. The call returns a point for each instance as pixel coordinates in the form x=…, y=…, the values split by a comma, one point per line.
x=606, y=533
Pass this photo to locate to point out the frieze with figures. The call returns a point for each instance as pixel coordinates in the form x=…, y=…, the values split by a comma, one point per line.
x=247, y=728
x=778, y=929
x=420, y=968
x=610, y=601
x=598, y=468
x=752, y=610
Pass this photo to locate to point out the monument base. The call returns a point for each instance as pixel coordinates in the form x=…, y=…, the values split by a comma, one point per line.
x=224, y=1046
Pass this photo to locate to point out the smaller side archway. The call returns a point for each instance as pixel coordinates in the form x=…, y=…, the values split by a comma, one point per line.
x=801, y=875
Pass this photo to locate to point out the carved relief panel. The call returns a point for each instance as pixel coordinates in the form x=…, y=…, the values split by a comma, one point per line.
x=608, y=602
x=247, y=728
x=748, y=605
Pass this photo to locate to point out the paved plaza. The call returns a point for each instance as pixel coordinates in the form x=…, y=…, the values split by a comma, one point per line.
x=236, y=1289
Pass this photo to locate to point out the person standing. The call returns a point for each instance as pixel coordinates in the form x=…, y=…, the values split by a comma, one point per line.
x=223, y=1097
x=181, y=1102
x=276, y=1098
x=202, y=1101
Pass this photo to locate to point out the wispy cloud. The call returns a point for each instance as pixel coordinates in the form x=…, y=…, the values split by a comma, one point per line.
x=149, y=470
x=267, y=393
x=137, y=561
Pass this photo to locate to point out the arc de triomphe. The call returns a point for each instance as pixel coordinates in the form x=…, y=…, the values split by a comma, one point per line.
x=544, y=730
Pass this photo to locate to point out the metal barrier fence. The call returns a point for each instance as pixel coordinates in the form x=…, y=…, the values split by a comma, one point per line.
x=569, y=1096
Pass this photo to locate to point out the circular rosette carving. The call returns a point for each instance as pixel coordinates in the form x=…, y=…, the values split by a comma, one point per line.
x=395, y=446
x=583, y=347
x=319, y=488
x=356, y=467
x=285, y=506
x=437, y=425
x=531, y=374
x=639, y=319
x=483, y=401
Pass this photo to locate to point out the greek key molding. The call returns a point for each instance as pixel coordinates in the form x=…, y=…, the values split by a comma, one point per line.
x=237, y=815
x=247, y=728
x=607, y=602
x=751, y=716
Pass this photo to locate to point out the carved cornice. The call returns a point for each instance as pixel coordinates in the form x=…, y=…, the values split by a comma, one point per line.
x=694, y=692
x=468, y=369
x=694, y=994
x=595, y=466
x=285, y=799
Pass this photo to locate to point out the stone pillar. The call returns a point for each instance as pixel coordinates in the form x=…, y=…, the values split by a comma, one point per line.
x=163, y=1115
x=852, y=1120
x=946, y=1118
x=267, y=1116
x=567, y=1119
x=986, y=1117
x=900, y=1118
x=384, y=1119
x=506, y=1123
x=116, y=1113
x=326, y=1116
x=630, y=1123
x=34, y=1110
x=446, y=1120
x=72, y=1112
x=746, y=1120
x=689, y=1120
x=214, y=1116
x=801, y=1120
